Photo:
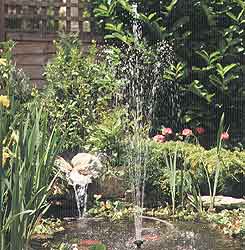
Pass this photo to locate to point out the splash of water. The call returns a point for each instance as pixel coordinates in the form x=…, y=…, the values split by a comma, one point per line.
x=80, y=186
x=139, y=171
x=142, y=94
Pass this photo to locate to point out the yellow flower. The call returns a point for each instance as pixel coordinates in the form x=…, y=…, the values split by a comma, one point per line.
x=5, y=157
x=4, y=101
x=3, y=62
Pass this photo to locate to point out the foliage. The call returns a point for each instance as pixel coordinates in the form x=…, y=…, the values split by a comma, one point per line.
x=13, y=81
x=48, y=226
x=218, y=168
x=24, y=174
x=109, y=136
x=208, y=38
x=114, y=210
x=181, y=214
x=98, y=247
x=79, y=91
x=196, y=154
x=171, y=163
x=230, y=222
x=63, y=246
x=193, y=159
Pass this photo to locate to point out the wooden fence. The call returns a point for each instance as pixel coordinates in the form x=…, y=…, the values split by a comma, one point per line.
x=34, y=24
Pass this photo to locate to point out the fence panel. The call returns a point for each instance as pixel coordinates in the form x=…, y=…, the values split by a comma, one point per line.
x=2, y=26
x=42, y=18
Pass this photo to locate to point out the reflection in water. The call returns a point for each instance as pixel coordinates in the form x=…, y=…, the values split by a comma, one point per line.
x=157, y=236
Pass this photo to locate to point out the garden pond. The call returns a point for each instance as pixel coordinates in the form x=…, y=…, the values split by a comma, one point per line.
x=157, y=236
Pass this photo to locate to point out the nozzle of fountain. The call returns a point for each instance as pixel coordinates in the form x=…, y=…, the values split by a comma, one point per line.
x=138, y=243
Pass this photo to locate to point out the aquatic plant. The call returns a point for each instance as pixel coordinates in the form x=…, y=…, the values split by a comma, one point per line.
x=114, y=210
x=171, y=163
x=98, y=247
x=220, y=163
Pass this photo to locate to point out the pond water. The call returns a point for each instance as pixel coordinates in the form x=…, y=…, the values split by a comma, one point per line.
x=158, y=236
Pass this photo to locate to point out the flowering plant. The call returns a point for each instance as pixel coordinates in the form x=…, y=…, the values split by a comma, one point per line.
x=224, y=136
x=200, y=130
x=167, y=131
x=159, y=138
x=186, y=132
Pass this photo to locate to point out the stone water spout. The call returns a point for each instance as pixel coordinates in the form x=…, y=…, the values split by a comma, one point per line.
x=84, y=167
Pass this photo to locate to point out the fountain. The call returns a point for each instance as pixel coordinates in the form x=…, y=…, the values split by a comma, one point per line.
x=140, y=93
x=143, y=89
x=143, y=92
x=83, y=169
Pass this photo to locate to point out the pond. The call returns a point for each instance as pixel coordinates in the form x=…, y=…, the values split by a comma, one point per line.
x=157, y=236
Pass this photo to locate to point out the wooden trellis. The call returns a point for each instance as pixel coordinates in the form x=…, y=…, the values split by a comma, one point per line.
x=34, y=24
x=42, y=18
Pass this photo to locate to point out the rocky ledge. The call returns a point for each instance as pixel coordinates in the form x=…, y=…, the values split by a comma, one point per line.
x=224, y=202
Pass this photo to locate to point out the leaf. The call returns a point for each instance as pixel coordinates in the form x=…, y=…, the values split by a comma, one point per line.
x=232, y=16
x=170, y=7
x=229, y=67
x=220, y=131
x=196, y=88
x=204, y=55
x=152, y=15
x=215, y=80
x=215, y=56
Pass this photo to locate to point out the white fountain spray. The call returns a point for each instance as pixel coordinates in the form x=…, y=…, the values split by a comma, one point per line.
x=138, y=151
x=137, y=145
x=83, y=169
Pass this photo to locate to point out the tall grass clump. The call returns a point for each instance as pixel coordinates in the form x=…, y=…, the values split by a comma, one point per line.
x=26, y=160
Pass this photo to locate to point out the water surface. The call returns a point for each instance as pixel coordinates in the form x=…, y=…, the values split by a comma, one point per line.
x=120, y=235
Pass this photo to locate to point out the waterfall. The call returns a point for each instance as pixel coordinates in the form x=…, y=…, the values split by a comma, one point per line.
x=80, y=185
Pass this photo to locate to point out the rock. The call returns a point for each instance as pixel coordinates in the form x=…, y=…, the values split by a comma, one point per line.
x=83, y=163
x=224, y=202
x=111, y=187
x=63, y=165
x=87, y=164
x=76, y=178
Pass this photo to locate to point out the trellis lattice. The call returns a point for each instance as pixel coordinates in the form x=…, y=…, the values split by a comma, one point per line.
x=47, y=16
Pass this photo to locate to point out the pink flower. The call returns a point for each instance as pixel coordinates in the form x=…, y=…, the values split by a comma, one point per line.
x=224, y=136
x=200, y=130
x=159, y=138
x=187, y=132
x=167, y=131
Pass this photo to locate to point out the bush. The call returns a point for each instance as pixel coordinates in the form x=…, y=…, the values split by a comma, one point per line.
x=192, y=158
x=208, y=38
x=109, y=137
x=79, y=91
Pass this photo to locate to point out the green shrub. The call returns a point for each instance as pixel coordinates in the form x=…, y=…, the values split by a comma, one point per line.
x=109, y=137
x=192, y=158
x=79, y=92
x=208, y=38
